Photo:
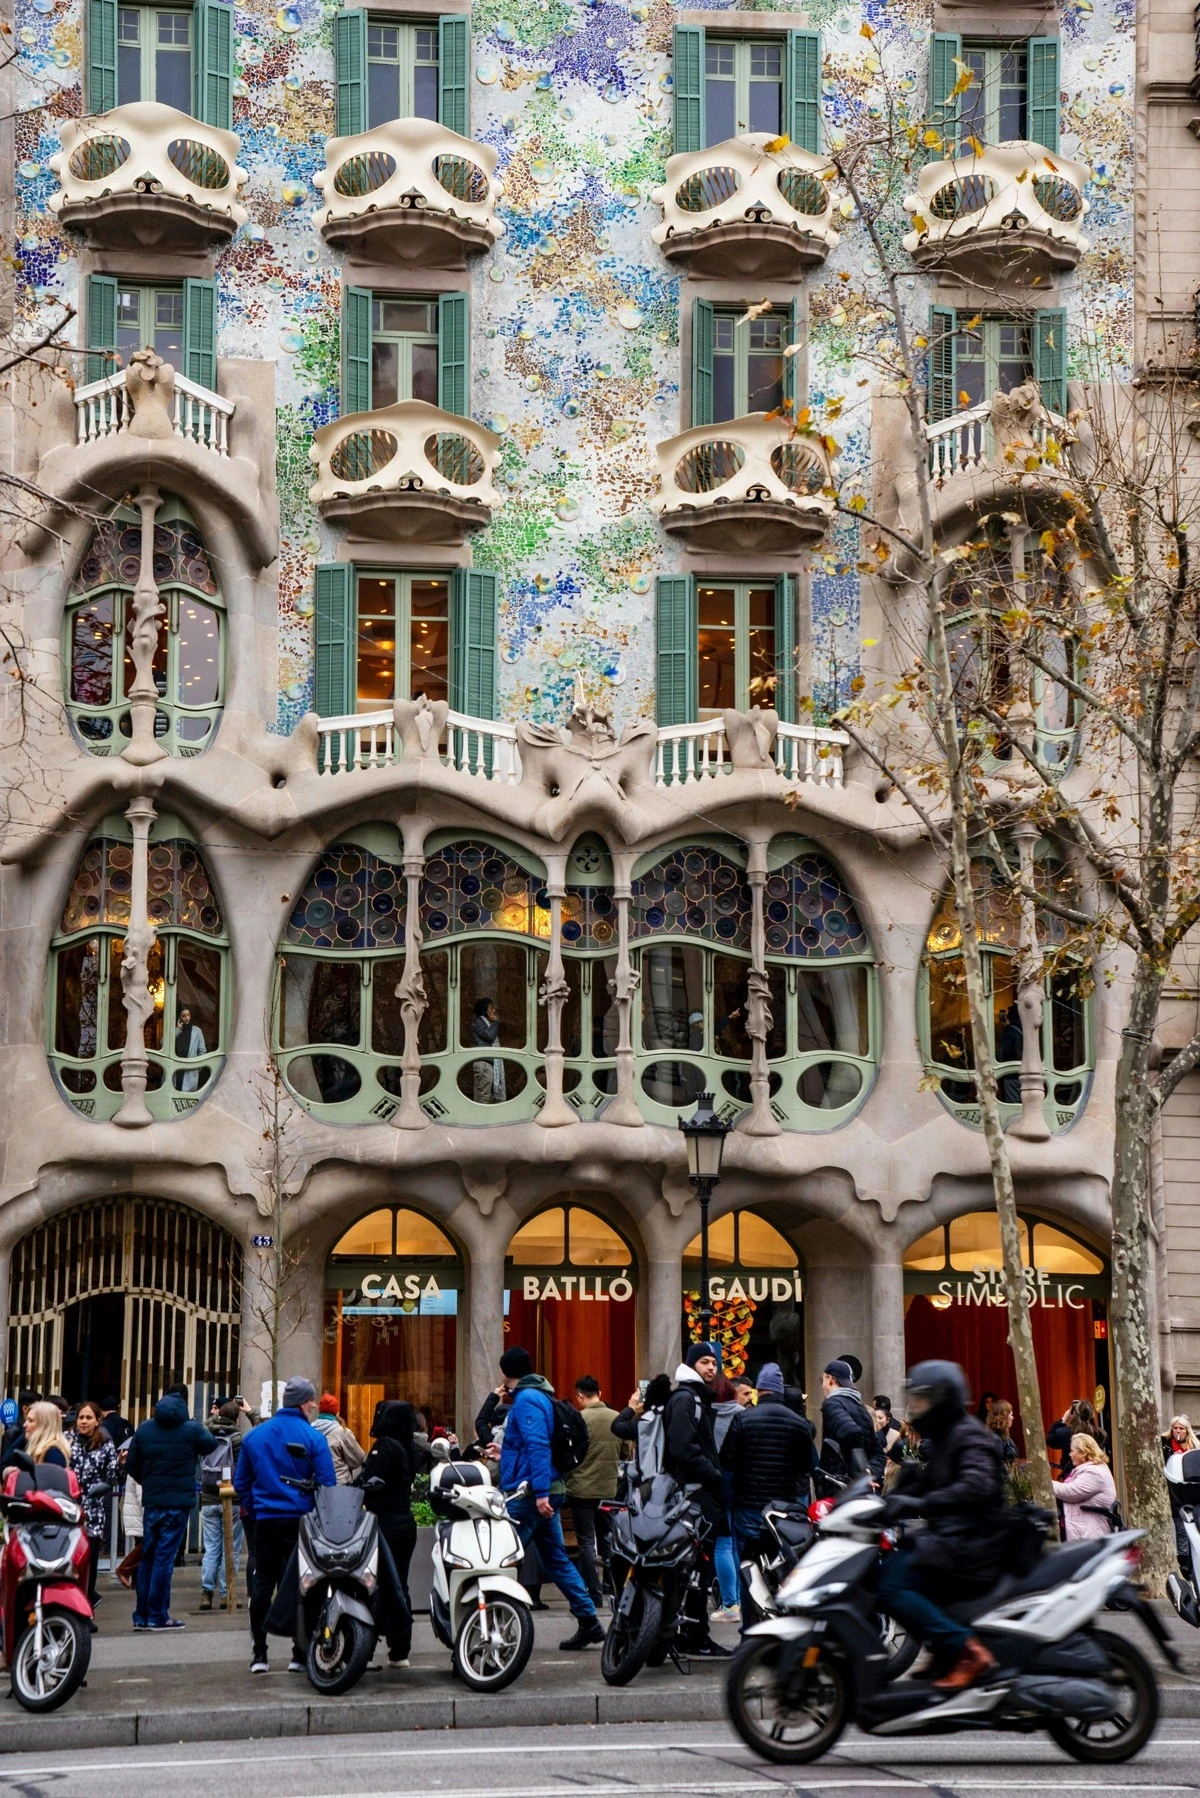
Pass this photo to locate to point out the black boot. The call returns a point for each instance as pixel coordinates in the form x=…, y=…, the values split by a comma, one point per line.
x=588, y=1634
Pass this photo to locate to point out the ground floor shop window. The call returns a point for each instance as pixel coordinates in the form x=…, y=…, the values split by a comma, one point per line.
x=756, y=1295
x=571, y=1281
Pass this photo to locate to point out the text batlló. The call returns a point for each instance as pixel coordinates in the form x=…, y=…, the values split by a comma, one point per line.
x=597, y=1287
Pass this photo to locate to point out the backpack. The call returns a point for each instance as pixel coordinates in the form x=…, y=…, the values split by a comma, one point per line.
x=217, y=1467
x=651, y=1443
x=569, y=1439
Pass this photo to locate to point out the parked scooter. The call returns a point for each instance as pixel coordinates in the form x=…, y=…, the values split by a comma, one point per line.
x=45, y=1614
x=653, y=1558
x=478, y=1607
x=341, y=1586
x=1183, y=1479
x=802, y=1676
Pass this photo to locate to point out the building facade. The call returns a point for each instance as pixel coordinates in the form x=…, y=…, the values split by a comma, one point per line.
x=435, y=613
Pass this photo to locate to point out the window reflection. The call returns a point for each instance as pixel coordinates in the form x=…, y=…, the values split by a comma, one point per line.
x=672, y=997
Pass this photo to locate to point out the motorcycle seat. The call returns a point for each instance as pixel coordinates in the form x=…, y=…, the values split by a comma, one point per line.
x=1054, y=1566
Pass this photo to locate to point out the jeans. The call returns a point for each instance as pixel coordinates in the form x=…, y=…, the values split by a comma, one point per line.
x=591, y=1533
x=212, y=1536
x=905, y=1593
x=163, y=1530
x=729, y=1579
x=274, y=1540
x=747, y=1526
x=546, y=1532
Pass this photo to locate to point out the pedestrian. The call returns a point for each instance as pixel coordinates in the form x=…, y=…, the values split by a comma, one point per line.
x=1180, y=1438
x=263, y=1466
x=216, y=1470
x=729, y=1579
x=94, y=1463
x=848, y=1443
x=769, y=1452
x=525, y=1455
x=15, y=1433
x=690, y=1457
x=743, y=1389
x=393, y=1460
x=348, y=1455
x=117, y=1428
x=44, y=1439
x=906, y=1448
x=162, y=1459
x=131, y=1522
x=986, y=1401
x=887, y=1427
x=641, y=1423
x=1088, y=1494
x=592, y=1482
x=1000, y=1421
x=1078, y=1419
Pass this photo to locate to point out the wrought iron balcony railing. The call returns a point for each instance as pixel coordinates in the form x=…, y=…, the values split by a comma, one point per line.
x=409, y=192
x=148, y=175
x=747, y=207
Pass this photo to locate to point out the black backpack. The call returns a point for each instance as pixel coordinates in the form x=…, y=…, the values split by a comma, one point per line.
x=569, y=1439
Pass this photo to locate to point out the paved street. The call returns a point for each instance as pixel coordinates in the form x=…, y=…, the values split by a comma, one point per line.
x=632, y=1761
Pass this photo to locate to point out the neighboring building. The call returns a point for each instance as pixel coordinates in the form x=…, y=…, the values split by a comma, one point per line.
x=456, y=443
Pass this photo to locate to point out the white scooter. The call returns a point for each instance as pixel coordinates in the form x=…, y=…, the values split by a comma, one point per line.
x=478, y=1607
x=1183, y=1477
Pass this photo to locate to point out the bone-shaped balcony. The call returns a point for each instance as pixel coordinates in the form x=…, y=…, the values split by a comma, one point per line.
x=749, y=484
x=743, y=208
x=410, y=193
x=1009, y=213
x=148, y=176
x=409, y=473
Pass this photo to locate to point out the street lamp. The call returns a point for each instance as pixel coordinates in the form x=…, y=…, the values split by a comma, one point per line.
x=704, y=1133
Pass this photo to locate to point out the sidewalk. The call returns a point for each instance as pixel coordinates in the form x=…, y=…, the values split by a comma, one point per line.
x=195, y=1685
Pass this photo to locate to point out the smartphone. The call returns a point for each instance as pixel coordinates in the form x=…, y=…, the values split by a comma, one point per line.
x=642, y=1385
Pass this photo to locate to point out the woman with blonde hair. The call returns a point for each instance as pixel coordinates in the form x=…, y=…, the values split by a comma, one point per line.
x=1088, y=1494
x=1179, y=1439
x=44, y=1439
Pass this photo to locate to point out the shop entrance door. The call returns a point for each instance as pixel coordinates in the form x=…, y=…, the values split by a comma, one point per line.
x=93, y=1340
x=571, y=1280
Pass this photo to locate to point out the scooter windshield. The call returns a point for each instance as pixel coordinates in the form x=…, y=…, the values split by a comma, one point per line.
x=339, y=1512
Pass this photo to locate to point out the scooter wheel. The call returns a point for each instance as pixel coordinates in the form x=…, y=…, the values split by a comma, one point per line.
x=494, y=1645
x=43, y=1682
x=339, y=1663
x=780, y=1727
x=1116, y=1738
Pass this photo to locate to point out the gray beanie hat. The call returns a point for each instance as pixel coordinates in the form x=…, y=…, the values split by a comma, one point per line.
x=298, y=1392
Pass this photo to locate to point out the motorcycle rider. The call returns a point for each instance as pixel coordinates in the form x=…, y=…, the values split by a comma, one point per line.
x=959, y=1491
x=690, y=1457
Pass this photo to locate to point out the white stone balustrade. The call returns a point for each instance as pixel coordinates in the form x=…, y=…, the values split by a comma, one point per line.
x=411, y=192
x=965, y=443
x=149, y=175
x=743, y=208
x=1009, y=211
x=409, y=470
x=750, y=483
x=104, y=409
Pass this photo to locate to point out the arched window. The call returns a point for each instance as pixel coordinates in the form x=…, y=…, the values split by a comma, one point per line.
x=185, y=1033
x=1067, y=1052
x=691, y=924
x=754, y=1272
x=189, y=662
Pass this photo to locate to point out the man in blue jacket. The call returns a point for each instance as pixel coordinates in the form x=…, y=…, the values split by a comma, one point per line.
x=525, y=1455
x=276, y=1507
x=162, y=1459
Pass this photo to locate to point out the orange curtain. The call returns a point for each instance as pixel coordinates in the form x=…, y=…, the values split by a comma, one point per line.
x=569, y=1337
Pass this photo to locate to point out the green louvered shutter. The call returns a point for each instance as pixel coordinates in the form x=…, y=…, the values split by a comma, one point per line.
x=101, y=55
x=101, y=326
x=335, y=686
x=942, y=398
x=802, y=106
x=454, y=56
x=474, y=627
x=702, y=362
x=356, y=350
x=687, y=87
x=790, y=388
x=200, y=333
x=945, y=48
x=676, y=692
x=453, y=374
x=1042, y=122
x=1050, y=358
x=785, y=648
x=213, y=65
x=350, y=70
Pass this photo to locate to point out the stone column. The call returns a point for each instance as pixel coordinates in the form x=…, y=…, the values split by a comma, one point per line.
x=413, y=999
x=146, y=611
x=553, y=994
x=761, y=1120
x=1031, y=1126
x=623, y=1109
x=484, y=1305
x=664, y=1318
x=886, y=1367
x=135, y=971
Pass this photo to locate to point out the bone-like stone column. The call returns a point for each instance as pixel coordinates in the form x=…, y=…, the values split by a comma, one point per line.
x=1031, y=1126
x=413, y=1000
x=135, y=971
x=623, y=1109
x=147, y=610
x=760, y=1121
x=553, y=994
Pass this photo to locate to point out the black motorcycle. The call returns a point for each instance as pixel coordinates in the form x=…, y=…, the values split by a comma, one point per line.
x=654, y=1559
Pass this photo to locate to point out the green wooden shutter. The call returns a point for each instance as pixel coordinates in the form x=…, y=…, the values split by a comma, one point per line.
x=454, y=58
x=942, y=398
x=350, y=70
x=101, y=55
x=802, y=103
x=1050, y=358
x=453, y=380
x=213, y=63
x=687, y=86
x=1041, y=125
x=676, y=692
x=101, y=326
x=785, y=648
x=335, y=685
x=474, y=627
x=702, y=362
x=945, y=47
x=356, y=350
x=200, y=333
x=790, y=389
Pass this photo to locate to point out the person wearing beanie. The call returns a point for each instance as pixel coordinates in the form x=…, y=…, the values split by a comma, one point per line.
x=690, y=1457
x=849, y=1446
x=214, y=1470
x=162, y=1459
x=769, y=1451
x=348, y=1455
x=276, y=1507
x=525, y=1455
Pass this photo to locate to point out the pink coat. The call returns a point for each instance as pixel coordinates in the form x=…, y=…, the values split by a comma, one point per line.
x=1088, y=1484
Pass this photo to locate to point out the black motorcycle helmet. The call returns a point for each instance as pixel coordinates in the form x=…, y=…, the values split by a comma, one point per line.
x=935, y=1397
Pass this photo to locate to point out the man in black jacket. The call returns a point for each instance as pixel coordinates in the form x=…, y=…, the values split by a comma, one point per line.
x=959, y=1490
x=690, y=1457
x=848, y=1445
x=768, y=1450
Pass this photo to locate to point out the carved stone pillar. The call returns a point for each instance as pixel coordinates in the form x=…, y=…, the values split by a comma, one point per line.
x=553, y=994
x=760, y=1120
x=413, y=1000
x=146, y=611
x=1031, y=1126
x=135, y=971
x=623, y=1109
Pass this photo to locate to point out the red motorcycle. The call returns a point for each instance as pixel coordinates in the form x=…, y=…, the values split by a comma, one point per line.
x=45, y=1615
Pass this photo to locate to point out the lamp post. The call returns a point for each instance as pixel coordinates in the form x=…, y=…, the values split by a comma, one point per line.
x=704, y=1133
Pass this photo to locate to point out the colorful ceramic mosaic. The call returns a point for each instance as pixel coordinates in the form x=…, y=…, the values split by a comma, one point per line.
x=693, y=892
x=351, y=900
x=181, y=895
x=809, y=912
x=474, y=886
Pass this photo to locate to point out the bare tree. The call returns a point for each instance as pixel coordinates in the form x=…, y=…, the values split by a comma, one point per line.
x=278, y=1304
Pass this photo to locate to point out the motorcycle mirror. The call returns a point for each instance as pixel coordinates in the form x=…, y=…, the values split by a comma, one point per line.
x=18, y=1458
x=374, y=1484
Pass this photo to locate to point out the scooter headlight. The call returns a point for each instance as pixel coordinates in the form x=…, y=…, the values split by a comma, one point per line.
x=819, y=1595
x=513, y=1559
x=450, y=1559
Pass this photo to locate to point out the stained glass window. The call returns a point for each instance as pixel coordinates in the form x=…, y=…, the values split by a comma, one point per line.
x=475, y=886
x=693, y=892
x=809, y=912
x=181, y=894
x=352, y=900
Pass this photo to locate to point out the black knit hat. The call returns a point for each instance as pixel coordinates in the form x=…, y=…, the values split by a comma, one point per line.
x=516, y=1362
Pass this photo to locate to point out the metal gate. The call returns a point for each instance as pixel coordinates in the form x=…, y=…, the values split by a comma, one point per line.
x=181, y=1277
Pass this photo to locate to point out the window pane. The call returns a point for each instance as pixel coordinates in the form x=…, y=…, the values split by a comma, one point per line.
x=92, y=653
x=417, y=1235
x=385, y=374
x=766, y=87
x=173, y=62
x=168, y=315
x=1012, y=96
x=1006, y=1020
x=320, y=1001
x=376, y=681
x=492, y=992
x=405, y=318
x=720, y=1245
x=730, y=998
x=197, y=1005
x=383, y=92
x=425, y=87
x=604, y=1008
x=387, y=1025
x=720, y=91
x=116, y=1009
x=833, y=1009
x=542, y=1242
x=77, y=999
x=129, y=56
x=1067, y=1022
x=435, y=971
x=199, y=653
x=928, y=1253
x=1057, y=705
x=425, y=373
x=369, y=1236
x=593, y=1243
x=949, y=1024
x=429, y=640
x=764, y=368
x=717, y=667
x=672, y=997
x=1057, y=1253
x=973, y=103
x=760, y=1243
x=975, y=1241
x=762, y=646
x=724, y=374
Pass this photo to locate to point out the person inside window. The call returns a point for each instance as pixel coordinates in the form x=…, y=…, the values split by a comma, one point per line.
x=189, y=1043
x=485, y=1034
